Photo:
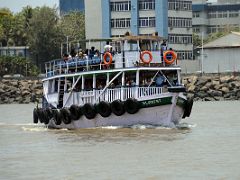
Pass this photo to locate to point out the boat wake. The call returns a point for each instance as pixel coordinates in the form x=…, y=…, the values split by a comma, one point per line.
x=149, y=126
x=34, y=128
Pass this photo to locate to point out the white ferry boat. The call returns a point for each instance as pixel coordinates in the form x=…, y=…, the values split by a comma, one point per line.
x=132, y=82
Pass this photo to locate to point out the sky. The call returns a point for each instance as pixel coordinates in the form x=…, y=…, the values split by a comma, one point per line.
x=17, y=5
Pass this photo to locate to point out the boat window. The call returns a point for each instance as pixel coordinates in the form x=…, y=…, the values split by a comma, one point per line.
x=101, y=81
x=133, y=46
x=172, y=77
x=51, y=88
x=146, y=78
x=130, y=78
x=78, y=86
x=88, y=83
x=69, y=83
x=145, y=45
x=117, y=83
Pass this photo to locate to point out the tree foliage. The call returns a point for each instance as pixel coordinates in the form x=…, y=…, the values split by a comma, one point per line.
x=73, y=25
x=41, y=29
x=17, y=65
x=44, y=37
x=196, y=40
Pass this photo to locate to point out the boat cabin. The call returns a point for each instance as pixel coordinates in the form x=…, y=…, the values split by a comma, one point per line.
x=131, y=67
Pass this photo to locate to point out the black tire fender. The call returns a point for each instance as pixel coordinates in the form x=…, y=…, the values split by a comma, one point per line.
x=131, y=106
x=117, y=107
x=89, y=111
x=57, y=117
x=35, y=116
x=104, y=109
x=66, y=116
x=75, y=112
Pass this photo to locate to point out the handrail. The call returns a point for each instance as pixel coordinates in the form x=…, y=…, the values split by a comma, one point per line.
x=77, y=64
x=109, y=95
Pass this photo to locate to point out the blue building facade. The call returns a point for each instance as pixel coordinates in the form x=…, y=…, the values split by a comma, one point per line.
x=156, y=20
x=66, y=6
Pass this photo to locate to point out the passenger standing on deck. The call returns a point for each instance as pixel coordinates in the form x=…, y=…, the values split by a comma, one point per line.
x=107, y=47
x=163, y=48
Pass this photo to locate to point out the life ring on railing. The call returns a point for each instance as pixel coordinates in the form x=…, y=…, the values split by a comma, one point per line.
x=172, y=54
x=75, y=112
x=57, y=117
x=117, y=107
x=66, y=116
x=89, y=111
x=104, y=109
x=144, y=60
x=105, y=56
x=131, y=106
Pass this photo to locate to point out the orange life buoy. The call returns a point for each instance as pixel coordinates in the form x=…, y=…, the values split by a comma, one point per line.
x=107, y=54
x=144, y=60
x=172, y=53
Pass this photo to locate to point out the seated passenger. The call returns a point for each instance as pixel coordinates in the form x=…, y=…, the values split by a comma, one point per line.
x=159, y=80
x=92, y=52
x=65, y=57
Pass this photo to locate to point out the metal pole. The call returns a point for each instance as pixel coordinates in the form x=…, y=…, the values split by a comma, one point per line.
x=67, y=44
x=202, y=56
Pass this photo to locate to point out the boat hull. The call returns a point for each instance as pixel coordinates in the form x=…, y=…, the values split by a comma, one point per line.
x=162, y=115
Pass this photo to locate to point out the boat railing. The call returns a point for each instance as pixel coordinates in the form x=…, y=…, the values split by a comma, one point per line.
x=110, y=95
x=77, y=64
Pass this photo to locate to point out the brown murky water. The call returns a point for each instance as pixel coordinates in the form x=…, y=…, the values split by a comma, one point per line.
x=206, y=147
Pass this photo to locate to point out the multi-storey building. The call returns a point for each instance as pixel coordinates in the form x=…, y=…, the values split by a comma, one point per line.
x=171, y=19
x=215, y=17
x=71, y=5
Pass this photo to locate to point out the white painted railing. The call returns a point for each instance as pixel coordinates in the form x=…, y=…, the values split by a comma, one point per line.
x=109, y=95
x=149, y=91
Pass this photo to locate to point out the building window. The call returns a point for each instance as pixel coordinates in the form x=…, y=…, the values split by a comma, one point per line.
x=180, y=39
x=196, y=14
x=120, y=23
x=120, y=6
x=196, y=30
x=147, y=22
x=212, y=14
x=185, y=55
x=146, y=4
x=233, y=14
x=212, y=29
x=222, y=14
x=178, y=5
x=180, y=22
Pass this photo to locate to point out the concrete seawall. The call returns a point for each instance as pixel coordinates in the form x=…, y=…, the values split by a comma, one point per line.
x=202, y=88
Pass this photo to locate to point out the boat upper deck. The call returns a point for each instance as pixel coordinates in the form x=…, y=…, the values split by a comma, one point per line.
x=127, y=52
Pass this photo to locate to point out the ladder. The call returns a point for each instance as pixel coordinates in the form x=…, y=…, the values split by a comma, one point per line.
x=61, y=92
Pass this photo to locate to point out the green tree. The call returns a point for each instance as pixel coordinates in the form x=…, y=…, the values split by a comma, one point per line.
x=6, y=21
x=73, y=26
x=44, y=37
x=196, y=40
